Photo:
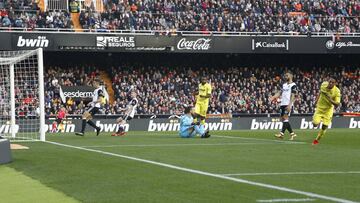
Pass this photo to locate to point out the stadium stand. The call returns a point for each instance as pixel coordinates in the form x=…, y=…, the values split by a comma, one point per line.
x=292, y=16
x=27, y=14
x=161, y=89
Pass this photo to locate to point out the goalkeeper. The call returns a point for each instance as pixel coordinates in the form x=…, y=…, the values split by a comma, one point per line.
x=190, y=129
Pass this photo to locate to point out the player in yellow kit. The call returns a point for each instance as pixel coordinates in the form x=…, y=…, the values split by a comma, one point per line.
x=202, y=100
x=329, y=97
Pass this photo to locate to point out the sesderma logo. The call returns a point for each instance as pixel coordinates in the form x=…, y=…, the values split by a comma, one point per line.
x=40, y=41
x=78, y=94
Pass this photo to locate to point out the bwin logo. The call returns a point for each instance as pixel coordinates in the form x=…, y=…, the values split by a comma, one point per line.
x=41, y=41
x=258, y=44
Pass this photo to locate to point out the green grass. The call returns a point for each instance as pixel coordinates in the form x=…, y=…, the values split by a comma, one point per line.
x=93, y=177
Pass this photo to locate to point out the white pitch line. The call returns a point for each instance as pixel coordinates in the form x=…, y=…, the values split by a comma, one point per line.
x=293, y=173
x=286, y=200
x=274, y=187
x=178, y=145
x=259, y=139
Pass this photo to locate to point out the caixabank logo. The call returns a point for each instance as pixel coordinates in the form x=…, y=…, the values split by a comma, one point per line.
x=264, y=44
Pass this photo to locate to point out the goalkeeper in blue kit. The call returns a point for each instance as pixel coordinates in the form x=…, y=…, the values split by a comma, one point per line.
x=190, y=129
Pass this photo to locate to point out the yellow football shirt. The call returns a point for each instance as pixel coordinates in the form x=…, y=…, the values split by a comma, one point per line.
x=334, y=93
x=203, y=91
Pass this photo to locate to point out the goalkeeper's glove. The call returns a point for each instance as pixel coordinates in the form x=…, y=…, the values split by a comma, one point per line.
x=195, y=123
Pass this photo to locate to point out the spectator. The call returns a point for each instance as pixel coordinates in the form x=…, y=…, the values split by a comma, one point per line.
x=233, y=93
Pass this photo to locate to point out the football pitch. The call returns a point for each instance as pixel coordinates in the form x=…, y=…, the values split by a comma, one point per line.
x=231, y=166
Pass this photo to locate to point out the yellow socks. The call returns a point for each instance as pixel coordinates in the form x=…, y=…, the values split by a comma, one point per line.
x=320, y=134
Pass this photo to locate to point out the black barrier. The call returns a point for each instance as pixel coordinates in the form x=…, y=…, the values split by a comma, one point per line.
x=109, y=42
x=213, y=124
x=162, y=124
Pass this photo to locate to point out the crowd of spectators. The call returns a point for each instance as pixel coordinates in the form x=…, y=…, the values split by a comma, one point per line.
x=235, y=90
x=301, y=16
x=26, y=14
x=298, y=16
x=55, y=77
x=164, y=90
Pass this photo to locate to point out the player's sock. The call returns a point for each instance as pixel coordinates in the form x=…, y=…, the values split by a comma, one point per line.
x=83, y=125
x=54, y=127
x=195, y=120
x=92, y=124
x=121, y=129
x=289, y=128
x=202, y=122
x=320, y=134
x=284, y=127
x=61, y=127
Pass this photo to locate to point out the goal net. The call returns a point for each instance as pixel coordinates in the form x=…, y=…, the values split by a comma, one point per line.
x=22, y=95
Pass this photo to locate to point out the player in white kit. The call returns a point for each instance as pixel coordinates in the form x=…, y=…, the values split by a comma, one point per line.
x=94, y=107
x=288, y=92
x=129, y=114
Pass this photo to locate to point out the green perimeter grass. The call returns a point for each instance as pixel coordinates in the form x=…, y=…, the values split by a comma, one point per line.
x=93, y=177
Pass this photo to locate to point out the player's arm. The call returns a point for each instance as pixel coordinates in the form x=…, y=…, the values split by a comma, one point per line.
x=335, y=101
x=277, y=95
x=187, y=122
x=317, y=98
x=196, y=92
x=292, y=97
x=100, y=98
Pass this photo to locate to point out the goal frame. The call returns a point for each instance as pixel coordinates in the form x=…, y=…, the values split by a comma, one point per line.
x=40, y=69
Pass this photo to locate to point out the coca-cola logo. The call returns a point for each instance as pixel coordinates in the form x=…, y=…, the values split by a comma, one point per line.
x=199, y=44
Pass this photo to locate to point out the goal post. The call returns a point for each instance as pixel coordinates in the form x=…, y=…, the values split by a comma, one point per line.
x=22, y=102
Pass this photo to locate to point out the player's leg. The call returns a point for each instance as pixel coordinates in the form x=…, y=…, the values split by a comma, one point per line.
x=283, y=117
x=91, y=123
x=86, y=119
x=86, y=115
x=187, y=133
x=54, y=127
x=289, y=128
x=197, y=112
x=203, y=111
x=60, y=126
x=121, y=122
x=326, y=120
x=317, y=117
x=200, y=130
